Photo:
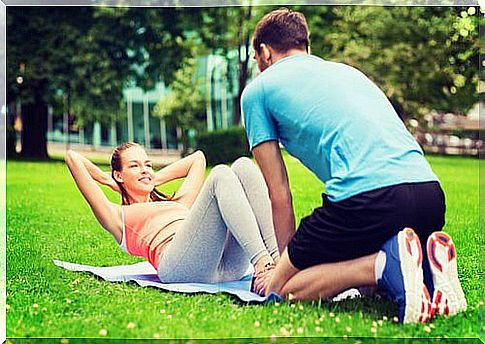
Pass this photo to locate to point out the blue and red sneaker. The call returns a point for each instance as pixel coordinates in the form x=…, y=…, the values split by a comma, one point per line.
x=448, y=296
x=402, y=278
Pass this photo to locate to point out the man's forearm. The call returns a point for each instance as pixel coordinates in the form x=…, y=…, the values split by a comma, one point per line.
x=269, y=158
x=284, y=223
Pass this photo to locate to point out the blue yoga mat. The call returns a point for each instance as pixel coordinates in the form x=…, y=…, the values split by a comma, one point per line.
x=145, y=275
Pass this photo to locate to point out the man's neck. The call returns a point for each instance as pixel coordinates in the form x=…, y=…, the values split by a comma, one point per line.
x=292, y=52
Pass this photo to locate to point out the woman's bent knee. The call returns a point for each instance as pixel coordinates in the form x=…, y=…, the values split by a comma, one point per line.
x=244, y=166
x=241, y=163
x=221, y=175
x=221, y=172
x=221, y=169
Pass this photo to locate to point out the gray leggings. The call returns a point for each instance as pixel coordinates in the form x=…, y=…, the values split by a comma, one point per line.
x=229, y=226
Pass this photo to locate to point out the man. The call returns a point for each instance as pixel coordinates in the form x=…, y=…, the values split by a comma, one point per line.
x=342, y=127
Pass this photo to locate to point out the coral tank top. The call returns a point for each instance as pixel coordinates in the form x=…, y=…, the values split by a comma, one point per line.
x=148, y=228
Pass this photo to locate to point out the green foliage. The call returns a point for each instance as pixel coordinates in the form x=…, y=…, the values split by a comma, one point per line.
x=226, y=31
x=223, y=146
x=185, y=104
x=93, y=52
x=423, y=58
x=80, y=58
x=47, y=219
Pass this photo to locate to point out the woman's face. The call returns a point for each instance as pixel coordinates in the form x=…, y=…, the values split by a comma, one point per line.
x=136, y=173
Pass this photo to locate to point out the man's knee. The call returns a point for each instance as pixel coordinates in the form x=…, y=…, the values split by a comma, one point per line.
x=301, y=292
x=292, y=291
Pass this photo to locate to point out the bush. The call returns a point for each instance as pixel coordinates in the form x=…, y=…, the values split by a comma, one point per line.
x=223, y=146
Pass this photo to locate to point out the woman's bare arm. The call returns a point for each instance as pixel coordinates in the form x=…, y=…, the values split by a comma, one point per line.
x=192, y=168
x=107, y=213
x=99, y=175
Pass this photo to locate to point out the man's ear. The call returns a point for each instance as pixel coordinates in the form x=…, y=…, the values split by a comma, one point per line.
x=117, y=176
x=266, y=52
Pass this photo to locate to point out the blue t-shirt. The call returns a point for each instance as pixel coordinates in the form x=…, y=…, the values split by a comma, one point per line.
x=337, y=122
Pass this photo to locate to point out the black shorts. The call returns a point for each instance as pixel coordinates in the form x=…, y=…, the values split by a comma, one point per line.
x=361, y=224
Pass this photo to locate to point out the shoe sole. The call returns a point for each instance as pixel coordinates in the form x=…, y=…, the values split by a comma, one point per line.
x=418, y=302
x=448, y=296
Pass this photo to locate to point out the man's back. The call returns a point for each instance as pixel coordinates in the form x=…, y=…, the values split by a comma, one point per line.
x=336, y=122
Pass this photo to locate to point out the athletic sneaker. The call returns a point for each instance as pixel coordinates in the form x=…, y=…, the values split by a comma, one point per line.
x=402, y=278
x=448, y=296
x=427, y=274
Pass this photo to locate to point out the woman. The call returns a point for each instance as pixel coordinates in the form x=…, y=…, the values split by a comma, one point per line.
x=206, y=232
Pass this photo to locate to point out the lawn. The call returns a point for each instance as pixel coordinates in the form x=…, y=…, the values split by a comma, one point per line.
x=48, y=219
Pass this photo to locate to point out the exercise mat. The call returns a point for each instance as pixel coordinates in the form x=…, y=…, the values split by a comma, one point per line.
x=145, y=275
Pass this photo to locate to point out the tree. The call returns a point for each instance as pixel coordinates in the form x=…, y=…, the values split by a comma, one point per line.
x=31, y=62
x=185, y=104
x=81, y=58
x=481, y=23
x=423, y=58
x=86, y=55
x=225, y=30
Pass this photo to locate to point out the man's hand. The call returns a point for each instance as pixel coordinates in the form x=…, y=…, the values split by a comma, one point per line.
x=283, y=272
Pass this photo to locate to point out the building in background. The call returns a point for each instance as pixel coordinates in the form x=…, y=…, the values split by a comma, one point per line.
x=139, y=123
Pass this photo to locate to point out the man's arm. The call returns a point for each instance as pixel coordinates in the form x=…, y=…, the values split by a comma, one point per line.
x=270, y=161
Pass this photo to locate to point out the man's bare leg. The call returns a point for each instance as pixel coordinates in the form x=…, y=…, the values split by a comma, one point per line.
x=322, y=281
x=400, y=273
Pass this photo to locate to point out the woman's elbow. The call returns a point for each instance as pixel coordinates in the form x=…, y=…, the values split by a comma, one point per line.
x=72, y=159
x=69, y=156
x=200, y=156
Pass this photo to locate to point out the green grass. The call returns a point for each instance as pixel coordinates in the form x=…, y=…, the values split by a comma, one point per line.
x=48, y=219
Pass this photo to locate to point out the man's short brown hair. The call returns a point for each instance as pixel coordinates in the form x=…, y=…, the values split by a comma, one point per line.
x=283, y=30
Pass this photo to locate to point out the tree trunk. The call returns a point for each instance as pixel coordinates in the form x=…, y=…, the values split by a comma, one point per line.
x=243, y=77
x=185, y=143
x=34, y=130
x=68, y=111
x=243, y=67
x=11, y=138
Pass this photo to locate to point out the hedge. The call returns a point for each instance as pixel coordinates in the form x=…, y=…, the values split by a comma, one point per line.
x=223, y=146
